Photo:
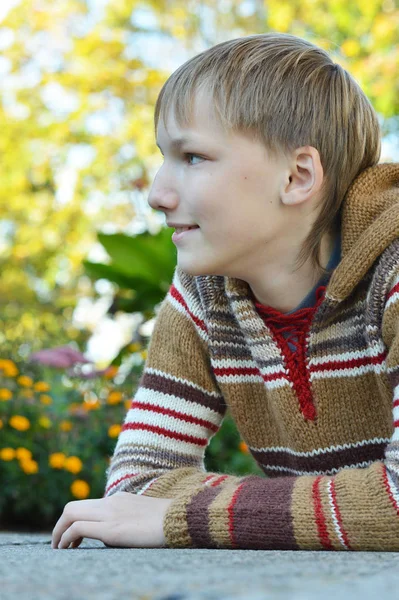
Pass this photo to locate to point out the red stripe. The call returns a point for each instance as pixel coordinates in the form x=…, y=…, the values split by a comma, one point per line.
x=219, y=480
x=230, y=511
x=338, y=514
x=167, y=433
x=396, y=403
x=174, y=413
x=348, y=364
x=119, y=480
x=332, y=365
x=177, y=296
x=208, y=478
x=248, y=371
x=393, y=291
x=388, y=489
x=396, y=423
x=320, y=518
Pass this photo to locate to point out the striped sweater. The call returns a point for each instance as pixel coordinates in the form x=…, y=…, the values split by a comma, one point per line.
x=322, y=422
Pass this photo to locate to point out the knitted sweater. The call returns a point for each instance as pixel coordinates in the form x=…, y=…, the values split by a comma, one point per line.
x=322, y=422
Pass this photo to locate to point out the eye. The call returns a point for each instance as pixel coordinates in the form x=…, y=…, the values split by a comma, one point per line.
x=188, y=155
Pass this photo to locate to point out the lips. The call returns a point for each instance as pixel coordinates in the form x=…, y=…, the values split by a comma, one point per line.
x=180, y=229
x=182, y=233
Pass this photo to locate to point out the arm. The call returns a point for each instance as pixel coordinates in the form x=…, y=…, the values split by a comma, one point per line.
x=177, y=407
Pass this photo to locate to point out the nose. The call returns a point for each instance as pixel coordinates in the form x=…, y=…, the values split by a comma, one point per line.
x=162, y=195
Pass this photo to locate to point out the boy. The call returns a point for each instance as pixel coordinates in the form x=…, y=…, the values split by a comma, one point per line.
x=284, y=307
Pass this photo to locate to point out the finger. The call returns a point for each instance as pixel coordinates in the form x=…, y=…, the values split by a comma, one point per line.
x=79, y=530
x=79, y=510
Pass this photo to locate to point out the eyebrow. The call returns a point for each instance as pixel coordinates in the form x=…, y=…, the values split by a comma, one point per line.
x=177, y=142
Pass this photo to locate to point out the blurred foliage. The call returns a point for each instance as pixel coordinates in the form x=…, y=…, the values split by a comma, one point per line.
x=65, y=66
x=58, y=434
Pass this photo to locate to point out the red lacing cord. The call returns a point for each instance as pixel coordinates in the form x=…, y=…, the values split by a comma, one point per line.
x=297, y=323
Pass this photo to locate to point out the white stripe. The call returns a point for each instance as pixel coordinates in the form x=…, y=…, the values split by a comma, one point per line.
x=149, y=438
x=146, y=486
x=229, y=363
x=368, y=352
x=318, y=451
x=172, y=424
x=334, y=515
x=354, y=372
x=324, y=472
x=269, y=385
x=395, y=413
x=393, y=489
x=178, y=404
x=394, y=298
x=183, y=311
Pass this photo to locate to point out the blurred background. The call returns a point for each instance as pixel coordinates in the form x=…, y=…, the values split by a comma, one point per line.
x=85, y=262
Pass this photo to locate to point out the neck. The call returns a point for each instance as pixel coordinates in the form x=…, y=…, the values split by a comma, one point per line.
x=288, y=289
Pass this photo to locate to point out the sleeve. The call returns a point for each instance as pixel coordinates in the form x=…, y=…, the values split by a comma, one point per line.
x=177, y=408
x=355, y=509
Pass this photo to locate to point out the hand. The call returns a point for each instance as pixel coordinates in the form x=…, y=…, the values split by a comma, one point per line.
x=123, y=520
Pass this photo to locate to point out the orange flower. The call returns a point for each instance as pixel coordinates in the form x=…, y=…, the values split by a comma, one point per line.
x=57, y=460
x=5, y=394
x=41, y=386
x=243, y=448
x=114, y=431
x=45, y=399
x=29, y=466
x=25, y=381
x=111, y=372
x=73, y=464
x=23, y=454
x=19, y=422
x=9, y=368
x=114, y=398
x=80, y=489
x=7, y=454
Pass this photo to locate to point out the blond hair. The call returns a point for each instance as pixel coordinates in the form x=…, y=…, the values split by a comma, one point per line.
x=286, y=92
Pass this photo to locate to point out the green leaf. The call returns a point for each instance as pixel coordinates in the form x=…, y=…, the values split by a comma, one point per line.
x=146, y=256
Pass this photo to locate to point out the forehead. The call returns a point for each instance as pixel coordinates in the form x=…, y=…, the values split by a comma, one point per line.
x=203, y=120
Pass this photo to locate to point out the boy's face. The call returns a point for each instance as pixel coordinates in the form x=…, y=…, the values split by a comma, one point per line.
x=230, y=189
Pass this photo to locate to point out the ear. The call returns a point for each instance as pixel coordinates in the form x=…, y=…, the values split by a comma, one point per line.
x=304, y=176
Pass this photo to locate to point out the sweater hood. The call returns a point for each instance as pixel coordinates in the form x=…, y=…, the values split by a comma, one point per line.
x=369, y=224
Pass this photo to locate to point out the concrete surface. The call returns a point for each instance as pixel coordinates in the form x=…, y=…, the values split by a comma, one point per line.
x=31, y=570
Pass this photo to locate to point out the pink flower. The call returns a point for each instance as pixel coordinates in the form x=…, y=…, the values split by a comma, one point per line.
x=61, y=357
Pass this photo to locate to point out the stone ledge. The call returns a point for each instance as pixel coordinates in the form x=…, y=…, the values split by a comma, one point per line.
x=31, y=570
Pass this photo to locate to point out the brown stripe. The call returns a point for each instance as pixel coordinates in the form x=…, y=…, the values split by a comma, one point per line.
x=177, y=388
x=262, y=514
x=334, y=459
x=198, y=519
